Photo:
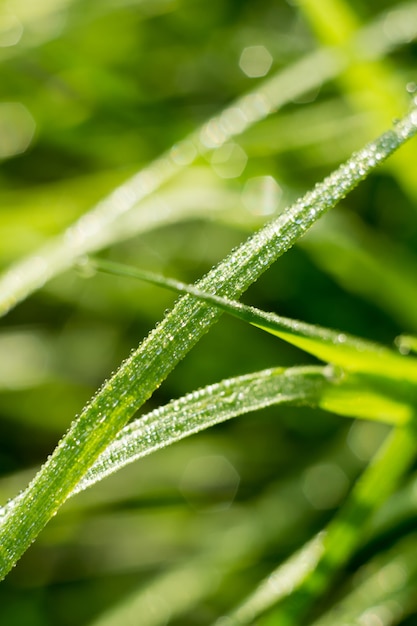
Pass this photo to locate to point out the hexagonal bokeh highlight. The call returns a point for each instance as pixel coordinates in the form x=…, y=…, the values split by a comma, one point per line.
x=255, y=61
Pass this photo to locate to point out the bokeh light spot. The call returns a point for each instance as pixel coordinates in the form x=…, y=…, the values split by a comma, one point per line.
x=324, y=485
x=261, y=195
x=210, y=480
x=17, y=128
x=255, y=61
x=229, y=160
x=183, y=153
x=11, y=30
x=364, y=439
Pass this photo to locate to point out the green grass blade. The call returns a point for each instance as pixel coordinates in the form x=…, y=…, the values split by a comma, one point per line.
x=369, y=84
x=351, y=353
x=397, y=570
x=312, y=386
x=96, y=229
x=299, y=582
x=204, y=408
x=384, y=588
x=346, y=530
x=279, y=584
x=150, y=364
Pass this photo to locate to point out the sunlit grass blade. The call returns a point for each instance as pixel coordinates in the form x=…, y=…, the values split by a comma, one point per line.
x=204, y=408
x=180, y=330
x=351, y=353
x=296, y=585
x=385, y=587
x=313, y=386
x=95, y=230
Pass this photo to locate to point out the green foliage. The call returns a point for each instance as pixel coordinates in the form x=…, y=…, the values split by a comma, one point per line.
x=217, y=118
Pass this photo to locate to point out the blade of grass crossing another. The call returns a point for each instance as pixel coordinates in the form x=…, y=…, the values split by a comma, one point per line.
x=351, y=353
x=206, y=407
x=167, y=344
x=313, y=386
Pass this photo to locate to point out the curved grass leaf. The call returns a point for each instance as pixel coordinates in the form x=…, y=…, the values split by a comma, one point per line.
x=149, y=365
x=312, y=386
x=315, y=386
x=204, y=408
x=308, y=386
x=350, y=353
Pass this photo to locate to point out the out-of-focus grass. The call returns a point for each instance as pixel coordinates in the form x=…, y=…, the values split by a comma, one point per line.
x=95, y=91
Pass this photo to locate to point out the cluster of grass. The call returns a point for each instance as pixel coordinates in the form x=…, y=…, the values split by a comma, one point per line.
x=158, y=139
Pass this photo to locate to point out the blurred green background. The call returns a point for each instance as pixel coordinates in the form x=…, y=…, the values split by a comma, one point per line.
x=91, y=92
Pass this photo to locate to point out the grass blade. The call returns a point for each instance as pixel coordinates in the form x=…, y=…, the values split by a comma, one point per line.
x=95, y=230
x=384, y=590
x=369, y=84
x=204, y=408
x=312, y=386
x=351, y=353
x=149, y=365
x=299, y=582
x=346, y=530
